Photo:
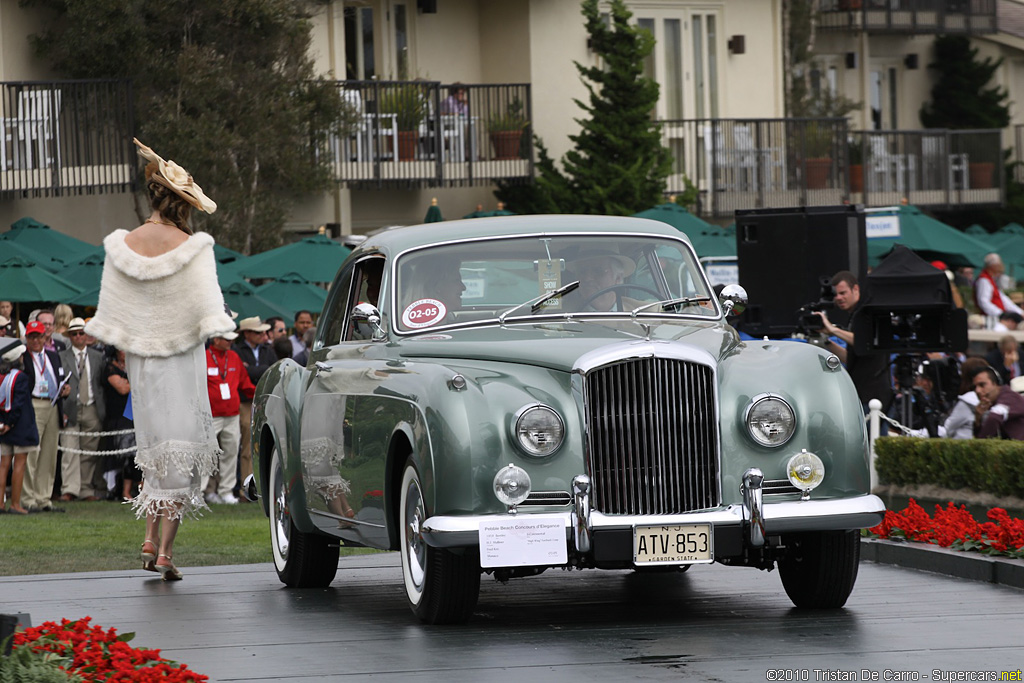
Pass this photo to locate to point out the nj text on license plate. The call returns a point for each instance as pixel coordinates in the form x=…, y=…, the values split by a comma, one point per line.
x=673, y=544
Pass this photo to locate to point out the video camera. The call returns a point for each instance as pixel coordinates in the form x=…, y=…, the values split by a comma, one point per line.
x=808, y=322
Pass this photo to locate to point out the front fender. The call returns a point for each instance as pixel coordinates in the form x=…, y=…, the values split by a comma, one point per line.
x=829, y=417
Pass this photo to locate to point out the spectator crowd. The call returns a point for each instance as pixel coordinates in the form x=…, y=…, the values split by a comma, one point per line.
x=65, y=414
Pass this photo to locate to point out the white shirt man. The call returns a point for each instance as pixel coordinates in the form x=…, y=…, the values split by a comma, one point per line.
x=82, y=473
x=991, y=300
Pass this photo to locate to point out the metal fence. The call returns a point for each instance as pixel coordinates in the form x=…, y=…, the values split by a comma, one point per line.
x=908, y=16
x=425, y=133
x=754, y=163
x=66, y=137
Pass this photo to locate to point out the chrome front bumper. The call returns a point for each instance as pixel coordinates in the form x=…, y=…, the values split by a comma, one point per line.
x=760, y=519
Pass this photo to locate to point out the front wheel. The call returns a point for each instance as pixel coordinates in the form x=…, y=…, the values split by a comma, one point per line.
x=302, y=560
x=442, y=586
x=820, y=567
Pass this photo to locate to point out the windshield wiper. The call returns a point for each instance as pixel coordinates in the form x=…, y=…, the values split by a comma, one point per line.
x=539, y=301
x=672, y=302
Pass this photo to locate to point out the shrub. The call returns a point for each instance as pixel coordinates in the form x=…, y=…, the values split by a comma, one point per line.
x=987, y=465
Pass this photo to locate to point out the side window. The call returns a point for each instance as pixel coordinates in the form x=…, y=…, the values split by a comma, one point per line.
x=366, y=289
x=333, y=322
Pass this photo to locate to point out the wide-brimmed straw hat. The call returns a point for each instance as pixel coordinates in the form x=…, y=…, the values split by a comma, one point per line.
x=76, y=324
x=252, y=325
x=175, y=178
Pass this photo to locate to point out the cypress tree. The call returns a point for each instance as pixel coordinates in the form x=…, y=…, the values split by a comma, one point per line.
x=961, y=97
x=618, y=165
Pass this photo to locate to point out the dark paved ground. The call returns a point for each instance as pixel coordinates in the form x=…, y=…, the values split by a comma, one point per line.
x=714, y=623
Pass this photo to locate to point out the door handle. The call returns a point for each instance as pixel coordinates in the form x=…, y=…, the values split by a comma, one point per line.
x=322, y=367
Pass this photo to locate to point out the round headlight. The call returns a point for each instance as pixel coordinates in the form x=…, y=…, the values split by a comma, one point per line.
x=805, y=470
x=770, y=420
x=512, y=485
x=538, y=430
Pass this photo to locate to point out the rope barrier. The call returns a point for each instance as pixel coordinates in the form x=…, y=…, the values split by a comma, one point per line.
x=117, y=432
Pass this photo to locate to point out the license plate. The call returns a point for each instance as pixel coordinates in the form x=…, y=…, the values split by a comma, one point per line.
x=673, y=544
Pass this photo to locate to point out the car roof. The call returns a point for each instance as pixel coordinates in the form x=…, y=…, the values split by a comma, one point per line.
x=394, y=240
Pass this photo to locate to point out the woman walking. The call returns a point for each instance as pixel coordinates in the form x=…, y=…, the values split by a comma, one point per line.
x=159, y=301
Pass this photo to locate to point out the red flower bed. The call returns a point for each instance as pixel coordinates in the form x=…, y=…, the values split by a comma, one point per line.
x=98, y=655
x=954, y=527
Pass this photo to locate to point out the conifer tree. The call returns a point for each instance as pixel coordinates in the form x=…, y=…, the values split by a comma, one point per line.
x=618, y=165
x=961, y=97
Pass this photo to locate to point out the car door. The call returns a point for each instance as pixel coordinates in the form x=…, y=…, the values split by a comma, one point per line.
x=344, y=479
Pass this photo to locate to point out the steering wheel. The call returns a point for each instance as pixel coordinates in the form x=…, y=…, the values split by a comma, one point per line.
x=617, y=288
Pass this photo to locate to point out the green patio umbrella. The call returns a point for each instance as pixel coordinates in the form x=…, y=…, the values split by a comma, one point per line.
x=707, y=240
x=241, y=298
x=480, y=213
x=433, y=213
x=22, y=280
x=11, y=249
x=227, y=274
x=294, y=293
x=930, y=239
x=224, y=255
x=976, y=231
x=88, y=298
x=1012, y=228
x=317, y=258
x=86, y=272
x=30, y=233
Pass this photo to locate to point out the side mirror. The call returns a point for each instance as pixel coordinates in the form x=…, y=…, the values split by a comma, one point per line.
x=733, y=299
x=368, y=314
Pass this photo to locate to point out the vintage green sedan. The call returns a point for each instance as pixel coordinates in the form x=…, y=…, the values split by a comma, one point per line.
x=508, y=395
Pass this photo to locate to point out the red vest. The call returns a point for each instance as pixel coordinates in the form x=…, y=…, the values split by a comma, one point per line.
x=997, y=299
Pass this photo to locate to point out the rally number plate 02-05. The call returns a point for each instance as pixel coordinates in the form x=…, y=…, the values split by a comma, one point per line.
x=673, y=544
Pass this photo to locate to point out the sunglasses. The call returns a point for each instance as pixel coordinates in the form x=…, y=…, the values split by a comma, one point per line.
x=76, y=334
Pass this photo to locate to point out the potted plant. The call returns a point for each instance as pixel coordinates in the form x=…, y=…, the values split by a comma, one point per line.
x=855, y=152
x=506, y=129
x=408, y=104
x=818, y=140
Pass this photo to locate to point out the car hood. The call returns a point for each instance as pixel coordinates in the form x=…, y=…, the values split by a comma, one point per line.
x=559, y=345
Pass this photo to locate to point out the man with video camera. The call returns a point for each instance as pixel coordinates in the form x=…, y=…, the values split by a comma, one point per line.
x=869, y=371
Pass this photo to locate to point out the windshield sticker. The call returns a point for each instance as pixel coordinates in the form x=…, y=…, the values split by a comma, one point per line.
x=423, y=313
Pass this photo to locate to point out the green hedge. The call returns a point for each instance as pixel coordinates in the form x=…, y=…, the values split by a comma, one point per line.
x=988, y=465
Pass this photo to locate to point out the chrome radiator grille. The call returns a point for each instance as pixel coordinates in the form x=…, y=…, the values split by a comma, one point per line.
x=652, y=437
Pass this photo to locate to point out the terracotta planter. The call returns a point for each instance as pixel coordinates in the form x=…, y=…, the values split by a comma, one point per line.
x=817, y=173
x=982, y=173
x=506, y=143
x=856, y=177
x=407, y=140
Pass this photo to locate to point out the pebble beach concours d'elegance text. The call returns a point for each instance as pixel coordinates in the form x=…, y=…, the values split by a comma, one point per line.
x=889, y=675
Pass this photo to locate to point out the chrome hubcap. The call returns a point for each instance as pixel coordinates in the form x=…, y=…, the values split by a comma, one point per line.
x=281, y=514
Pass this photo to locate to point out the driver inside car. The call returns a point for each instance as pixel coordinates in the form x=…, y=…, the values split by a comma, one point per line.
x=602, y=273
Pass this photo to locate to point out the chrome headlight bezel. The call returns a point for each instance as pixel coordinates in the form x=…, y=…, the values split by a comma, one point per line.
x=762, y=401
x=521, y=430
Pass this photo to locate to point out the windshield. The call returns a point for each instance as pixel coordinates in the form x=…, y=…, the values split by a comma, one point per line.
x=479, y=280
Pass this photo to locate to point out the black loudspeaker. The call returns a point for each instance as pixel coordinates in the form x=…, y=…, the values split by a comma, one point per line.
x=427, y=6
x=785, y=256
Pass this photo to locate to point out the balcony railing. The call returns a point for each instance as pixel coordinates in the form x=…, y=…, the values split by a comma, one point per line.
x=966, y=17
x=66, y=137
x=427, y=134
x=754, y=163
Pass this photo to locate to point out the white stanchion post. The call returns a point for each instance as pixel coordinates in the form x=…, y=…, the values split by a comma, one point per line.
x=874, y=428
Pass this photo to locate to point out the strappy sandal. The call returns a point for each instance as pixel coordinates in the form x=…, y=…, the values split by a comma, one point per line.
x=148, y=559
x=168, y=572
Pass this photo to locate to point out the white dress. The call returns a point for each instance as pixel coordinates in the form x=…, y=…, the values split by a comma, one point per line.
x=175, y=441
x=159, y=310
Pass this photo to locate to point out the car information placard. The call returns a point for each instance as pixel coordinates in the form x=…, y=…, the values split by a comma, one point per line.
x=523, y=541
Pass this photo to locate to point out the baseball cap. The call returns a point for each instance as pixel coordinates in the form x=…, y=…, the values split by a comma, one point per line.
x=35, y=327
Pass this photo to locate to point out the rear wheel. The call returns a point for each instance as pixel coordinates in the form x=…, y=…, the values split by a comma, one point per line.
x=442, y=586
x=820, y=567
x=302, y=560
